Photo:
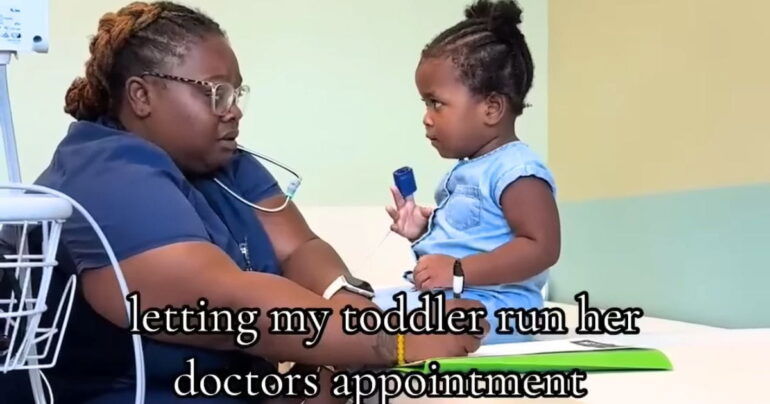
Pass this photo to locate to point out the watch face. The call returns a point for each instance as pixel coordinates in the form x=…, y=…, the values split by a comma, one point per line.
x=359, y=283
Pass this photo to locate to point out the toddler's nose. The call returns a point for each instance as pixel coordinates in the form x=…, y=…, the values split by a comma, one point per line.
x=427, y=121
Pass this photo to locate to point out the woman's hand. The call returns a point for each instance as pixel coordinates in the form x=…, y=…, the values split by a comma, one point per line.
x=409, y=219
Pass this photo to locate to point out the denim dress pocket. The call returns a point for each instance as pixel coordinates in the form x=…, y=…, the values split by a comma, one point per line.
x=463, y=208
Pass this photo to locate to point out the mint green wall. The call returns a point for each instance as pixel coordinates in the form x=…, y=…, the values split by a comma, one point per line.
x=333, y=87
x=699, y=256
x=333, y=96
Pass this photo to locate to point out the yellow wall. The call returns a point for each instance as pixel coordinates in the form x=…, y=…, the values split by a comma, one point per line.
x=658, y=95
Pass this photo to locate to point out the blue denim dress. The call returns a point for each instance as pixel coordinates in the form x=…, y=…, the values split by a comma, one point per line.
x=469, y=220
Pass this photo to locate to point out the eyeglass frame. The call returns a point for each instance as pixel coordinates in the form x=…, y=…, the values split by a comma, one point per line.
x=237, y=92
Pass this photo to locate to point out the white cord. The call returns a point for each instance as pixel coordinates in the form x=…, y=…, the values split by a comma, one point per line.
x=290, y=191
x=271, y=160
x=367, y=261
x=47, y=385
x=292, y=187
x=137, y=339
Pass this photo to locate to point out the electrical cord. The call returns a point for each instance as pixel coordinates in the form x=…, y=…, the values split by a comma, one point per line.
x=137, y=339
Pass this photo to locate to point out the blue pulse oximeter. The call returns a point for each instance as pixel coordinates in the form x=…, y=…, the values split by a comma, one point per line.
x=404, y=179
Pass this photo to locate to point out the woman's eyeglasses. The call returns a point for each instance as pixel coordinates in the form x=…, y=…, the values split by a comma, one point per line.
x=223, y=95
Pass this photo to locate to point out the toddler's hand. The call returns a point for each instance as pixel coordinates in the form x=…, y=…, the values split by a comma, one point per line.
x=409, y=220
x=433, y=271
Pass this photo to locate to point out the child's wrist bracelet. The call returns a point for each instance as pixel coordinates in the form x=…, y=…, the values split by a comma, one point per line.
x=400, y=349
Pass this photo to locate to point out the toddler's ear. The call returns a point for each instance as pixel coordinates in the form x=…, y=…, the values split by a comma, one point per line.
x=495, y=106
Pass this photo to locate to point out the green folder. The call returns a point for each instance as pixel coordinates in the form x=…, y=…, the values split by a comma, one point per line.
x=602, y=360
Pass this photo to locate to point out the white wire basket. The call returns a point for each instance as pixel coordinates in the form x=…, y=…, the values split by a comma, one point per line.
x=32, y=323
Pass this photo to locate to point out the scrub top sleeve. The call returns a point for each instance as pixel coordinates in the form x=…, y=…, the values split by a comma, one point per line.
x=137, y=209
x=253, y=180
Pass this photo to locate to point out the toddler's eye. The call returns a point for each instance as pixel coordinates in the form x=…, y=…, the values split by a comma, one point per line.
x=433, y=104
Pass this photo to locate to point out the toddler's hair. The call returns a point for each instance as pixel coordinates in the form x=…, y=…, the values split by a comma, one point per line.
x=489, y=51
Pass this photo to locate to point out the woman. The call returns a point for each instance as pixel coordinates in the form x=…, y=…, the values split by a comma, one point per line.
x=157, y=121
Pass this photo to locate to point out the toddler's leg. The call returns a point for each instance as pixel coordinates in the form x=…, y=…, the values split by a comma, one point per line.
x=384, y=298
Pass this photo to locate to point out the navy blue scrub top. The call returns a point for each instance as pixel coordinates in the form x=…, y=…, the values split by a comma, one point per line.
x=141, y=201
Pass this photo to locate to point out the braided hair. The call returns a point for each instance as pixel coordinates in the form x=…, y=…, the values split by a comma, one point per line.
x=140, y=37
x=489, y=51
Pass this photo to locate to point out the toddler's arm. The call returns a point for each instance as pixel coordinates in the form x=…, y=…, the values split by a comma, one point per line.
x=530, y=209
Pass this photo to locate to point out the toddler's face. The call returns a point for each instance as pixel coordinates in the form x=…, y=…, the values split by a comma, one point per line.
x=454, y=116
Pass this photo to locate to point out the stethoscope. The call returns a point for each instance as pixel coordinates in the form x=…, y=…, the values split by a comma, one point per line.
x=291, y=190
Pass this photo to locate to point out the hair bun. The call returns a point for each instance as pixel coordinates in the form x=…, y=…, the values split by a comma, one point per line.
x=503, y=17
x=79, y=102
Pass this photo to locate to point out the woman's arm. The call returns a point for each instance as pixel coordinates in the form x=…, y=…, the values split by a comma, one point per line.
x=179, y=274
x=305, y=258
